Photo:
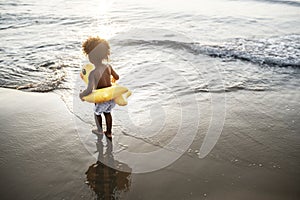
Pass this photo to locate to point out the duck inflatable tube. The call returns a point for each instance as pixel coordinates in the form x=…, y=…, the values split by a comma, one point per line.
x=116, y=92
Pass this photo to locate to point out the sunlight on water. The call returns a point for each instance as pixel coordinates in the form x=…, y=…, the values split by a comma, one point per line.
x=102, y=25
x=224, y=31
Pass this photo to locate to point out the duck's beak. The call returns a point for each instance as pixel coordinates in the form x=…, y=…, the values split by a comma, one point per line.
x=81, y=76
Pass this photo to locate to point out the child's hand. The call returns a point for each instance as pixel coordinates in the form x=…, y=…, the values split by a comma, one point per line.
x=81, y=97
x=113, y=80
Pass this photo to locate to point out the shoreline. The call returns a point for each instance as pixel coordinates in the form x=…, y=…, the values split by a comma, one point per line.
x=42, y=156
x=38, y=147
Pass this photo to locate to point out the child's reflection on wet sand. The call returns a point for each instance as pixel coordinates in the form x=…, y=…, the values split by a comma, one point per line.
x=107, y=182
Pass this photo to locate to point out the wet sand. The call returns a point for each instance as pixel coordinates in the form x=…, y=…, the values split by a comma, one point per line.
x=256, y=157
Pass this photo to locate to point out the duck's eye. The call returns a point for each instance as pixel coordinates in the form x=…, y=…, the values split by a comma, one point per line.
x=83, y=71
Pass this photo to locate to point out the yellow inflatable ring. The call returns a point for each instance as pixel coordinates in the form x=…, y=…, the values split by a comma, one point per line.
x=116, y=92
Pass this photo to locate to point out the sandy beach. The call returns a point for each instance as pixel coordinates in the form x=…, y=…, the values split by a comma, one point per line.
x=256, y=157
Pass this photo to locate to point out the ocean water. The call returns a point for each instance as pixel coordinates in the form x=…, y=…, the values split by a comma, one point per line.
x=254, y=45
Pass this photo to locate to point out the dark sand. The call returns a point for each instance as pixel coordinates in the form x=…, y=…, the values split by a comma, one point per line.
x=256, y=157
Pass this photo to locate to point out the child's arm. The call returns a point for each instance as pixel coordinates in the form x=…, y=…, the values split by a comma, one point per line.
x=113, y=73
x=90, y=86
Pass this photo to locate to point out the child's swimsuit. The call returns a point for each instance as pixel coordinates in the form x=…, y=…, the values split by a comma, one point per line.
x=105, y=107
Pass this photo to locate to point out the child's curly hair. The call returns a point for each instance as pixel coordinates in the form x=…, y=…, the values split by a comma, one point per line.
x=102, y=50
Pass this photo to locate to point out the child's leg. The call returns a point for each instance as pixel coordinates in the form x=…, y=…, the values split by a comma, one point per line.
x=108, y=120
x=98, y=120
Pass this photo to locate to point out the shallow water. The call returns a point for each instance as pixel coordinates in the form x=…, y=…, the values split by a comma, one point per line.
x=254, y=48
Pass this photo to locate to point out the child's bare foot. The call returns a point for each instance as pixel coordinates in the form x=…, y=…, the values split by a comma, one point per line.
x=97, y=132
x=108, y=135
